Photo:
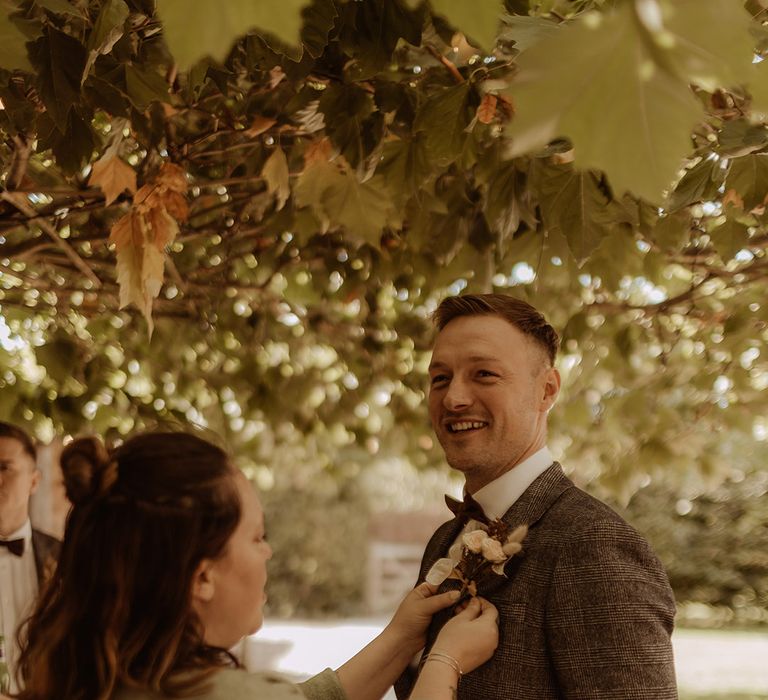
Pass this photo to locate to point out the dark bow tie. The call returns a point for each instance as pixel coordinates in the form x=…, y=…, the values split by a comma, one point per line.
x=13, y=546
x=468, y=509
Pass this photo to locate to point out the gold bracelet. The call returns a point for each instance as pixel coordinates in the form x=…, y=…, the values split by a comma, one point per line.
x=445, y=659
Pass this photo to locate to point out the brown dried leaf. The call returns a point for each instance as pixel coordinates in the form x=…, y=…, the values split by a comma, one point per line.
x=152, y=274
x=734, y=198
x=176, y=206
x=113, y=175
x=260, y=125
x=486, y=110
x=173, y=177
x=146, y=198
x=276, y=76
x=161, y=228
x=318, y=152
x=123, y=234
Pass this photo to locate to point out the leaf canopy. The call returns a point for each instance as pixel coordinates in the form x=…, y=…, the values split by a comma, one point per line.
x=308, y=179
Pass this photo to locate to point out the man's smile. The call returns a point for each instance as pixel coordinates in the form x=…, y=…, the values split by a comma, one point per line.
x=465, y=426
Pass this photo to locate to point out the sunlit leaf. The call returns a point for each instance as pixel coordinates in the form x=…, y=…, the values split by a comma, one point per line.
x=113, y=175
x=478, y=20
x=275, y=173
x=748, y=176
x=195, y=28
x=600, y=70
x=13, y=50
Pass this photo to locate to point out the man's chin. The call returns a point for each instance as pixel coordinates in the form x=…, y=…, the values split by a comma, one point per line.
x=462, y=463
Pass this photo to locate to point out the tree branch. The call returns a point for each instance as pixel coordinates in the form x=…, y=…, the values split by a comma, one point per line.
x=23, y=206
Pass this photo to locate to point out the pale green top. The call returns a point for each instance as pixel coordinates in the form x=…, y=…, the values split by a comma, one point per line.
x=236, y=684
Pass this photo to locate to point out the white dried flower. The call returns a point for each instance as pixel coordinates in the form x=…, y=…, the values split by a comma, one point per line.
x=440, y=571
x=492, y=550
x=473, y=541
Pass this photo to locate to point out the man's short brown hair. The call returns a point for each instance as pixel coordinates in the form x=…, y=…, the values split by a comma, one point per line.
x=519, y=313
x=11, y=431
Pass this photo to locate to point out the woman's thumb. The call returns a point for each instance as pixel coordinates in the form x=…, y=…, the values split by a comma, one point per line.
x=472, y=610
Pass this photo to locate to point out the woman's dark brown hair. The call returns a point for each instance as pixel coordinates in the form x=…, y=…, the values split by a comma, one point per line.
x=118, y=607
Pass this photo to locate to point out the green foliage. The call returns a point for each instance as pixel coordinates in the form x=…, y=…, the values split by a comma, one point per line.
x=13, y=52
x=195, y=28
x=320, y=540
x=603, y=65
x=479, y=21
x=350, y=163
x=713, y=545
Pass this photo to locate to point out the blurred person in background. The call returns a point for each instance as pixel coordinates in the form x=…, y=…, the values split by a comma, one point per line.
x=27, y=556
x=162, y=571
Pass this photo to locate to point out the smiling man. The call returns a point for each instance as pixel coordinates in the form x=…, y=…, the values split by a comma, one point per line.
x=587, y=611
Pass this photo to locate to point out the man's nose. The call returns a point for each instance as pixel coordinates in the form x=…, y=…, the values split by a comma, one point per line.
x=458, y=395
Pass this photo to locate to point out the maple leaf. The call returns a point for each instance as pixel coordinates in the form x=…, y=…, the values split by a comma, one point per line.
x=194, y=28
x=122, y=233
x=259, y=125
x=113, y=175
x=161, y=228
x=486, y=111
x=479, y=20
x=173, y=177
x=601, y=65
x=318, y=152
x=176, y=205
x=142, y=235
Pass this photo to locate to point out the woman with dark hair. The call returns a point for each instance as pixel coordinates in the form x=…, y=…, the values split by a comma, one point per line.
x=163, y=569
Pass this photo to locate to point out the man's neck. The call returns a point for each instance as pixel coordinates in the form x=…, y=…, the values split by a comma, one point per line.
x=11, y=524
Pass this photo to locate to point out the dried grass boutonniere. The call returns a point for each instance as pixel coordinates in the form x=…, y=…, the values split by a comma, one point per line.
x=481, y=551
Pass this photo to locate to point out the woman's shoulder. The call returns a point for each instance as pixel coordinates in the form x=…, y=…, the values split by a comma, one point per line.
x=235, y=684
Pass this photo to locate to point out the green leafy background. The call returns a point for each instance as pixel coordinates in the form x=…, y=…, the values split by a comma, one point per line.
x=618, y=181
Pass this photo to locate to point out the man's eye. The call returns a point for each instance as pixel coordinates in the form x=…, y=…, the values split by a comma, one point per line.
x=486, y=373
x=439, y=378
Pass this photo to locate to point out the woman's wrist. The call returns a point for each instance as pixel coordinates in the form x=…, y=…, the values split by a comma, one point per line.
x=439, y=656
x=402, y=639
x=403, y=636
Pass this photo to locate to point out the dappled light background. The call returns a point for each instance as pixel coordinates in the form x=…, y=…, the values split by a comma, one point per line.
x=249, y=232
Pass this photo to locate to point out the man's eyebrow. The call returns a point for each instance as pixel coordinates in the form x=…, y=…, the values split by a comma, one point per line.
x=472, y=358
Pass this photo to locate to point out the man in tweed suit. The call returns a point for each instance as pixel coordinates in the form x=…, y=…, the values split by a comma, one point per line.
x=27, y=556
x=586, y=611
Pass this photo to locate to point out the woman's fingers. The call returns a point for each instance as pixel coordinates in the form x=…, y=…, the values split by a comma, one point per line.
x=472, y=610
x=488, y=608
x=425, y=590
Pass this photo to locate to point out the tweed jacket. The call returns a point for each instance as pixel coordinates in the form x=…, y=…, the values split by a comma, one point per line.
x=586, y=612
x=46, y=549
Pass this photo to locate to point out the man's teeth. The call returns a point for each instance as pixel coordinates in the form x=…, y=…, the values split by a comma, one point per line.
x=466, y=425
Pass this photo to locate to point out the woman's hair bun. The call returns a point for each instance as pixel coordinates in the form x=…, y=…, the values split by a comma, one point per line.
x=89, y=471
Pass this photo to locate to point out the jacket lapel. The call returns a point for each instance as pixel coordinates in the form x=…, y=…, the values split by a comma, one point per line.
x=538, y=497
x=440, y=544
x=46, y=550
x=528, y=510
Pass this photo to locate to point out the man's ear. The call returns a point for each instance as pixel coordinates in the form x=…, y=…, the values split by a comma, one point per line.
x=37, y=475
x=551, y=388
x=202, y=582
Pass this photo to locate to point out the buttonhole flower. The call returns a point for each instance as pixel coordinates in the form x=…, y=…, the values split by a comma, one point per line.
x=481, y=551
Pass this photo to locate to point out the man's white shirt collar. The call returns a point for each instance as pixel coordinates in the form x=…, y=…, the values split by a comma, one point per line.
x=497, y=497
x=24, y=532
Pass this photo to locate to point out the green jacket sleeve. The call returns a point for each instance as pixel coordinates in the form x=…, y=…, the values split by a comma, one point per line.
x=323, y=686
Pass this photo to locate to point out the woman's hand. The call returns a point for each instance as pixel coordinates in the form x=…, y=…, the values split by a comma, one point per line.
x=414, y=614
x=472, y=636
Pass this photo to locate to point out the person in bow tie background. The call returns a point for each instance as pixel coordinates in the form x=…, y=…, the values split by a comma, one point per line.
x=586, y=611
x=26, y=554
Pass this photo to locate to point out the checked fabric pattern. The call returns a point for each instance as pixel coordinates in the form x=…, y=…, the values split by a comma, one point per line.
x=586, y=612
